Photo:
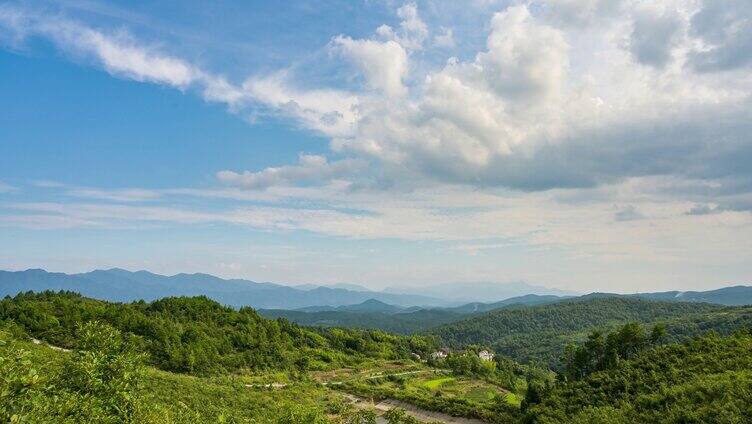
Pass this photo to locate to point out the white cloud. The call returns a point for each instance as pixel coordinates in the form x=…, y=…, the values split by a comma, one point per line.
x=549, y=105
x=384, y=64
x=445, y=38
x=413, y=30
x=471, y=112
x=532, y=141
x=384, y=59
x=117, y=53
x=331, y=112
x=552, y=81
x=311, y=169
x=525, y=60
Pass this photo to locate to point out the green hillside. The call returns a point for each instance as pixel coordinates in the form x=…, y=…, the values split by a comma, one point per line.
x=199, y=336
x=106, y=382
x=400, y=323
x=705, y=380
x=538, y=333
x=187, y=360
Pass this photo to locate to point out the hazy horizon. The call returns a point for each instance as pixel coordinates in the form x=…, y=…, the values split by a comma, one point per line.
x=580, y=145
x=386, y=287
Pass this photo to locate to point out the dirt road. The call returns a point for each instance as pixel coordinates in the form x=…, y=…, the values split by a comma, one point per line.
x=418, y=413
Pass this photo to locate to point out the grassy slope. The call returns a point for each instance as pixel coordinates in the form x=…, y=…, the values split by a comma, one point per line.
x=180, y=398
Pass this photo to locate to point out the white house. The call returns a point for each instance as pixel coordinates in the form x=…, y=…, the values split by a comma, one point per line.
x=439, y=354
x=485, y=355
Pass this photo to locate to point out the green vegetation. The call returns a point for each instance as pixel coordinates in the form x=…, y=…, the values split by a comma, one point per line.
x=628, y=373
x=398, y=323
x=453, y=395
x=198, y=336
x=435, y=383
x=539, y=333
x=704, y=380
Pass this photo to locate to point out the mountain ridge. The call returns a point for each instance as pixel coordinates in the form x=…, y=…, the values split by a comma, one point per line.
x=120, y=285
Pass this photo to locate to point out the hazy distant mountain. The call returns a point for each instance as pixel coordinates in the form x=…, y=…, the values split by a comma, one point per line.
x=348, y=286
x=344, y=286
x=122, y=286
x=728, y=296
x=396, y=319
x=479, y=292
x=731, y=296
x=526, y=300
x=370, y=305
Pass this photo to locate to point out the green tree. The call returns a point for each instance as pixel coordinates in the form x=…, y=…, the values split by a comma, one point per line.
x=104, y=373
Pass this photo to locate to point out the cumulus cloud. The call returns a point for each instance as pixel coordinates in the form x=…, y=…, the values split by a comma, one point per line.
x=518, y=115
x=525, y=60
x=472, y=112
x=555, y=99
x=384, y=64
x=383, y=59
x=412, y=31
x=311, y=169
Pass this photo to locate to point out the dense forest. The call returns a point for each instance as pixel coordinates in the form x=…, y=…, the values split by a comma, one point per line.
x=199, y=336
x=703, y=380
x=539, y=333
x=400, y=323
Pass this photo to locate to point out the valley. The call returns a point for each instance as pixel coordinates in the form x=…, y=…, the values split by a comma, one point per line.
x=199, y=360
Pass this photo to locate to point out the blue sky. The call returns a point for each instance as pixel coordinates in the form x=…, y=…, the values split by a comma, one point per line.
x=587, y=145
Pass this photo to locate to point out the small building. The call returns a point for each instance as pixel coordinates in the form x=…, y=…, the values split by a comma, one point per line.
x=415, y=356
x=485, y=355
x=439, y=354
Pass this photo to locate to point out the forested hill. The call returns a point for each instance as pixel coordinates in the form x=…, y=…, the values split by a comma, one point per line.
x=199, y=336
x=403, y=323
x=393, y=319
x=539, y=333
x=704, y=380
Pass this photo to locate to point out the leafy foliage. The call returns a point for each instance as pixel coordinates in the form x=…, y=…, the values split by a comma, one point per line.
x=99, y=384
x=704, y=380
x=539, y=333
x=600, y=353
x=198, y=336
x=399, y=323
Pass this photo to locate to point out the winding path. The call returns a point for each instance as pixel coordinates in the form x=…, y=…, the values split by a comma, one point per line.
x=412, y=410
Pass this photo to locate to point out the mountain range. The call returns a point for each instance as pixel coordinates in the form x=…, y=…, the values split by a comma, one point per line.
x=119, y=285
x=123, y=286
x=480, y=291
